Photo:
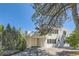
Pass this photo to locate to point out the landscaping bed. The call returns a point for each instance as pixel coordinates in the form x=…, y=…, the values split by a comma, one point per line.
x=9, y=52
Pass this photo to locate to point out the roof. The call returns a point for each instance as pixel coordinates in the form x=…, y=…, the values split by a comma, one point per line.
x=37, y=35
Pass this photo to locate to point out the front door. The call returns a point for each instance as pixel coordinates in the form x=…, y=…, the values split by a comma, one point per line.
x=38, y=42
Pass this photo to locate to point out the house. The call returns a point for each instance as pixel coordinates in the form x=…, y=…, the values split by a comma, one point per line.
x=54, y=39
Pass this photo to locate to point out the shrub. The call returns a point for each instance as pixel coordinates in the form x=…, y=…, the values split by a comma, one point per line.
x=73, y=39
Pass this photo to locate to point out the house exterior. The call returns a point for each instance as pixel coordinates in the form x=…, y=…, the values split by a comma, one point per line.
x=54, y=39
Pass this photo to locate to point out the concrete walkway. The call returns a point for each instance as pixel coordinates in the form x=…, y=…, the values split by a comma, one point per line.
x=45, y=52
x=60, y=51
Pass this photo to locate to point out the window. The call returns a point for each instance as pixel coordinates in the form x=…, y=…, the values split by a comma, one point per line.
x=48, y=40
x=64, y=32
x=55, y=31
x=54, y=41
x=51, y=41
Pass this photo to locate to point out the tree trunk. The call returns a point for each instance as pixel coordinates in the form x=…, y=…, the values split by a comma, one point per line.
x=75, y=16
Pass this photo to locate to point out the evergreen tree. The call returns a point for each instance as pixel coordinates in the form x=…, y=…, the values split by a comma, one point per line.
x=22, y=43
x=13, y=39
x=1, y=28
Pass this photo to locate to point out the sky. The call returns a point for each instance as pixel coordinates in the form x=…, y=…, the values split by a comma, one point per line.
x=69, y=23
x=19, y=16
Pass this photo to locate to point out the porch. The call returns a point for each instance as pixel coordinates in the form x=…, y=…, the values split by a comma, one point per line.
x=35, y=41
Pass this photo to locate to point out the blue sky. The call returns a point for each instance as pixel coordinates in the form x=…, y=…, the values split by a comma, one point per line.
x=69, y=23
x=19, y=15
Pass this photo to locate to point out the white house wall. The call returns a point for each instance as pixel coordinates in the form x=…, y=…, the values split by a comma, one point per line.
x=52, y=36
x=46, y=45
x=59, y=43
x=43, y=41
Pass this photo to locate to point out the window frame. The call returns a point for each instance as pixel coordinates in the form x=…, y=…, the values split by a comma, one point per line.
x=51, y=41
